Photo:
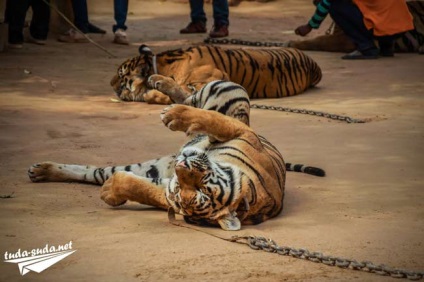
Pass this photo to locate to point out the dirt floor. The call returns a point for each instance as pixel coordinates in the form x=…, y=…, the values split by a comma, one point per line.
x=55, y=105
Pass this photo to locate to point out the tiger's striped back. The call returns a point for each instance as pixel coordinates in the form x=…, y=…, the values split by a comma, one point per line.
x=264, y=73
x=225, y=97
x=273, y=188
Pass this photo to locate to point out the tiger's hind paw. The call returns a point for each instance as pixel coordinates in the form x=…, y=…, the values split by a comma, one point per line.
x=110, y=192
x=154, y=96
x=42, y=171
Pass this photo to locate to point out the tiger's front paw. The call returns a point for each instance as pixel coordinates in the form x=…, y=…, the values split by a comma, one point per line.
x=177, y=118
x=111, y=190
x=154, y=96
x=162, y=83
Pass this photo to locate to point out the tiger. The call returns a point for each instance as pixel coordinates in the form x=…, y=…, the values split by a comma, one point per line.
x=264, y=73
x=226, y=175
x=337, y=41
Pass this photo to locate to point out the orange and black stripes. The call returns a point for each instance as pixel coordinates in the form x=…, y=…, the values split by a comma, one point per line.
x=265, y=73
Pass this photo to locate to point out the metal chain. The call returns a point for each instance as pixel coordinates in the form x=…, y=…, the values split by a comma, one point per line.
x=269, y=245
x=256, y=43
x=309, y=112
x=245, y=42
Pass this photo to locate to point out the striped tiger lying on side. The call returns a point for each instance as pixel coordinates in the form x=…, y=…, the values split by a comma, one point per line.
x=264, y=73
x=226, y=175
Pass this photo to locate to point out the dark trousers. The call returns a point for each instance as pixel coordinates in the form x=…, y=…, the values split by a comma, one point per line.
x=15, y=14
x=80, y=14
x=350, y=19
x=120, y=8
x=220, y=12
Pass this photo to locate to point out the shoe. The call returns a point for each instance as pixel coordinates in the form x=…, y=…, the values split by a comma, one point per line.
x=121, y=37
x=193, y=27
x=36, y=41
x=72, y=36
x=94, y=29
x=219, y=31
x=364, y=55
x=387, y=51
x=15, y=45
x=387, y=46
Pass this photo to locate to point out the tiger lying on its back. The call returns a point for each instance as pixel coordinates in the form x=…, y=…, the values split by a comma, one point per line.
x=226, y=174
x=264, y=73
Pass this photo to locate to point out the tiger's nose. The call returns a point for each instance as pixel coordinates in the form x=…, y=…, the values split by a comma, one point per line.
x=181, y=164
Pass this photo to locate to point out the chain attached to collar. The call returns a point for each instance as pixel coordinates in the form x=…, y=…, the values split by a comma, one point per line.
x=269, y=245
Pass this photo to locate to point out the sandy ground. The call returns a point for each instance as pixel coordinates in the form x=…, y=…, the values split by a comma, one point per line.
x=368, y=207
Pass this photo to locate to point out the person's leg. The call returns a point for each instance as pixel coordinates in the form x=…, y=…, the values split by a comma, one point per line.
x=15, y=17
x=198, y=18
x=350, y=19
x=387, y=45
x=220, y=12
x=120, y=14
x=197, y=14
x=81, y=18
x=39, y=27
x=220, y=16
x=80, y=14
x=80, y=10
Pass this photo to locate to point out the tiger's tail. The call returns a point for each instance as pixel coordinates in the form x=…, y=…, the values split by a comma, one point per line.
x=305, y=169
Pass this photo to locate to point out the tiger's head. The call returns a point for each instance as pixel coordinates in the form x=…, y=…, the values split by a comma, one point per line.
x=198, y=187
x=191, y=168
x=130, y=82
x=188, y=190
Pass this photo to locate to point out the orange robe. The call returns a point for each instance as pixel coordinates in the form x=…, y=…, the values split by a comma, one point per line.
x=385, y=17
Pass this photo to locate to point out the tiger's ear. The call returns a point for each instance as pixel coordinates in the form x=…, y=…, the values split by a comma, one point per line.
x=144, y=50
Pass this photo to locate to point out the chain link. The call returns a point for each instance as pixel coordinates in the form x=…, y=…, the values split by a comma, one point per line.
x=309, y=112
x=245, y=42
x=209, y=40
x=269, y=245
